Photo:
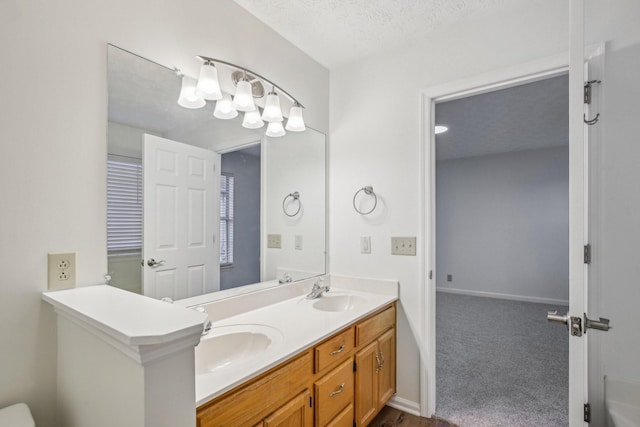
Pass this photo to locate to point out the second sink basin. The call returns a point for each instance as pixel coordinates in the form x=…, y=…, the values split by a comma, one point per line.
x=337, y=302
x=230, y=346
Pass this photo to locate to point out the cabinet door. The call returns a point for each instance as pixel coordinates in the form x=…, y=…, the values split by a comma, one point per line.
x=366, y=384
x=295, y=413
x=387, y=372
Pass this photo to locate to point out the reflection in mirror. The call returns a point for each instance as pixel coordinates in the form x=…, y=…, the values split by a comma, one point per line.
x=197, y=204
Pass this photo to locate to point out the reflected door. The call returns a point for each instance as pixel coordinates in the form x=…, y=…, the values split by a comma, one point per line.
x=181, y=214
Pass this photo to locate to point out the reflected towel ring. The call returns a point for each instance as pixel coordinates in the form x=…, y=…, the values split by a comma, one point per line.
x=296, y=196
x=368, y=190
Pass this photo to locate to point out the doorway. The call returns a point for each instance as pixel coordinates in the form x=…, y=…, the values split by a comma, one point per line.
x=502, y=255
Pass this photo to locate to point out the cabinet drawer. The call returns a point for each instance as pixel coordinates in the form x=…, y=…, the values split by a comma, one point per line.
x=334, y=392
x=343, y=419
x=258, y=399
x=334, y=350
x=371, y=328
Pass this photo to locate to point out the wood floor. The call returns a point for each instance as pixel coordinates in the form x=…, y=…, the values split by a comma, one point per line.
x=390, y=417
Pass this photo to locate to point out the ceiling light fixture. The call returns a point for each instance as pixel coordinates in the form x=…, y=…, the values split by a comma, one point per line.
x=249, y=85
x=440, y=129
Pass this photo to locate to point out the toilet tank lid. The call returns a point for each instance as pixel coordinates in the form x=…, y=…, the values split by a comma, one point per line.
x=17, y=415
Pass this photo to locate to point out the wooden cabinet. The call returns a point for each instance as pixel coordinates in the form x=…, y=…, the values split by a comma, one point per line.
x=334, y=392
x=318, y=387
x=375, y=368
x=295, y=413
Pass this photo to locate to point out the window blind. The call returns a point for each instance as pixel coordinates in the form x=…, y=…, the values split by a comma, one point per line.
x=226, y=219
x=124, y=205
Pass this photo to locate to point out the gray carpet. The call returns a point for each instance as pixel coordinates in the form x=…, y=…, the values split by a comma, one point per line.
x=500, y=363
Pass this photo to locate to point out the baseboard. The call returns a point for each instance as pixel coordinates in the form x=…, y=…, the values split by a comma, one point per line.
x=503, y=296
x=405, y=405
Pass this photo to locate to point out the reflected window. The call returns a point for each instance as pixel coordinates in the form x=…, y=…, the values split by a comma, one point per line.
x=226, y=220
x=124, y=205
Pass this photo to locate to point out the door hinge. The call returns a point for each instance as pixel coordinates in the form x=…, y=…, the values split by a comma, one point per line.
x=355, y=366
x=354, y=423
x=430, y=274
x=310, y=402
x=587, y=412
x=587, y=254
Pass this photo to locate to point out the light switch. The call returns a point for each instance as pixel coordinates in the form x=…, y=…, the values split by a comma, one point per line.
x=274, y=241
x=298, y=242
x=365, y=244
x=403, y=246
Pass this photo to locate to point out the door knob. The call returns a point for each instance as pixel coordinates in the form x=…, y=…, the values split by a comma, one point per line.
x=153, y=263
x=574, y=323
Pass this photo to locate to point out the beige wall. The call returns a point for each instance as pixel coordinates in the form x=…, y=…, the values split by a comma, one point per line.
x=53, y=125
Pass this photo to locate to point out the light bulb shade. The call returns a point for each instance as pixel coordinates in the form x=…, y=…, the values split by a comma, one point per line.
x=224, y=110
x=252, y=120
x=295, y=123
x=272, y=112
x=275, y=129
x=208, y=86
x=188, y=97
x=243, y=99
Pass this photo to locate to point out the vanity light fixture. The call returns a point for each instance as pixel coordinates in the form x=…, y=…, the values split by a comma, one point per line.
x=188, y=97
x=440, y=129
x=249, y=85
x=208, y=86
x=272, y=112
x=296, y=121
x=224, y=110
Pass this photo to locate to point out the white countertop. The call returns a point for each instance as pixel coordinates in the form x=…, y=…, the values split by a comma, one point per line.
x=297, y=326
x=132, y=319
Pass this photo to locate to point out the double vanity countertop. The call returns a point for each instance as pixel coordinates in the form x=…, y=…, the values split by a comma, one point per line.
x=250, y=334
x=289, y=326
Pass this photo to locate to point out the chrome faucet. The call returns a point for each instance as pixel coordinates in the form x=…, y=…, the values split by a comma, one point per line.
x=318, y=290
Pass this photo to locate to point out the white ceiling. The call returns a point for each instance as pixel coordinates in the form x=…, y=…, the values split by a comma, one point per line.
x=525, y=117
x=334, y=32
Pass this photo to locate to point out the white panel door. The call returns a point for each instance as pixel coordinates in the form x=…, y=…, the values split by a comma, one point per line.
x=181, y=219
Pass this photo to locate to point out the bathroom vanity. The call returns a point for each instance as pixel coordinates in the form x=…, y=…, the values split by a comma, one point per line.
x=345, y=378
x=271, y=358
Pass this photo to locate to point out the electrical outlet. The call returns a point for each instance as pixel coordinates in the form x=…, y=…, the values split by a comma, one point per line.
x=298, y=242
x=365, y=244
x=449, y=277
x=274, y=241
x=403, y=246
x=61, y=270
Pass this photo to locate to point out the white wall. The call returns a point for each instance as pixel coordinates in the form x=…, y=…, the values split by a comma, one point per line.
x=53, y=116
x=375, y=140
x=502, y=224
x=615, y=255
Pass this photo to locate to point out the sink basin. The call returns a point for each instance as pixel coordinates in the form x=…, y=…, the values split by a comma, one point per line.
x=233, y=346
x=337, y=302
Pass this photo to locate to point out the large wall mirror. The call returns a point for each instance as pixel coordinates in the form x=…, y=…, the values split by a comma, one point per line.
x=197, y=204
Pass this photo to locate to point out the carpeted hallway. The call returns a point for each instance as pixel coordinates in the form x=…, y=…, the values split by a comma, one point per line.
x=500, y=363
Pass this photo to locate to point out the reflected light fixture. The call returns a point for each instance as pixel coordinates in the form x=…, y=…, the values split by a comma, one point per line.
x=224, y=110
x=252, y=120
x=440, y=129
x=296, y=121
x=248, y=85
x=275, y=129
x=188, y=97
x=208, y=86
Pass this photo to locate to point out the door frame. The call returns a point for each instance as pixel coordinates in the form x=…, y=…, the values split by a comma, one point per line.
x=500, y=79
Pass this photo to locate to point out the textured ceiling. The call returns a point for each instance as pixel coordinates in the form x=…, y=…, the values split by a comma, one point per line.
x=525, y=117
x=338, y=31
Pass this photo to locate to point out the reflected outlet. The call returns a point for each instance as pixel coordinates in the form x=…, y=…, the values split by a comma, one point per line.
x=274, y=241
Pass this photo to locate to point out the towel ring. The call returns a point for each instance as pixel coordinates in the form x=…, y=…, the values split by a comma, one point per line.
x=296, y=196
x=368, y=190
